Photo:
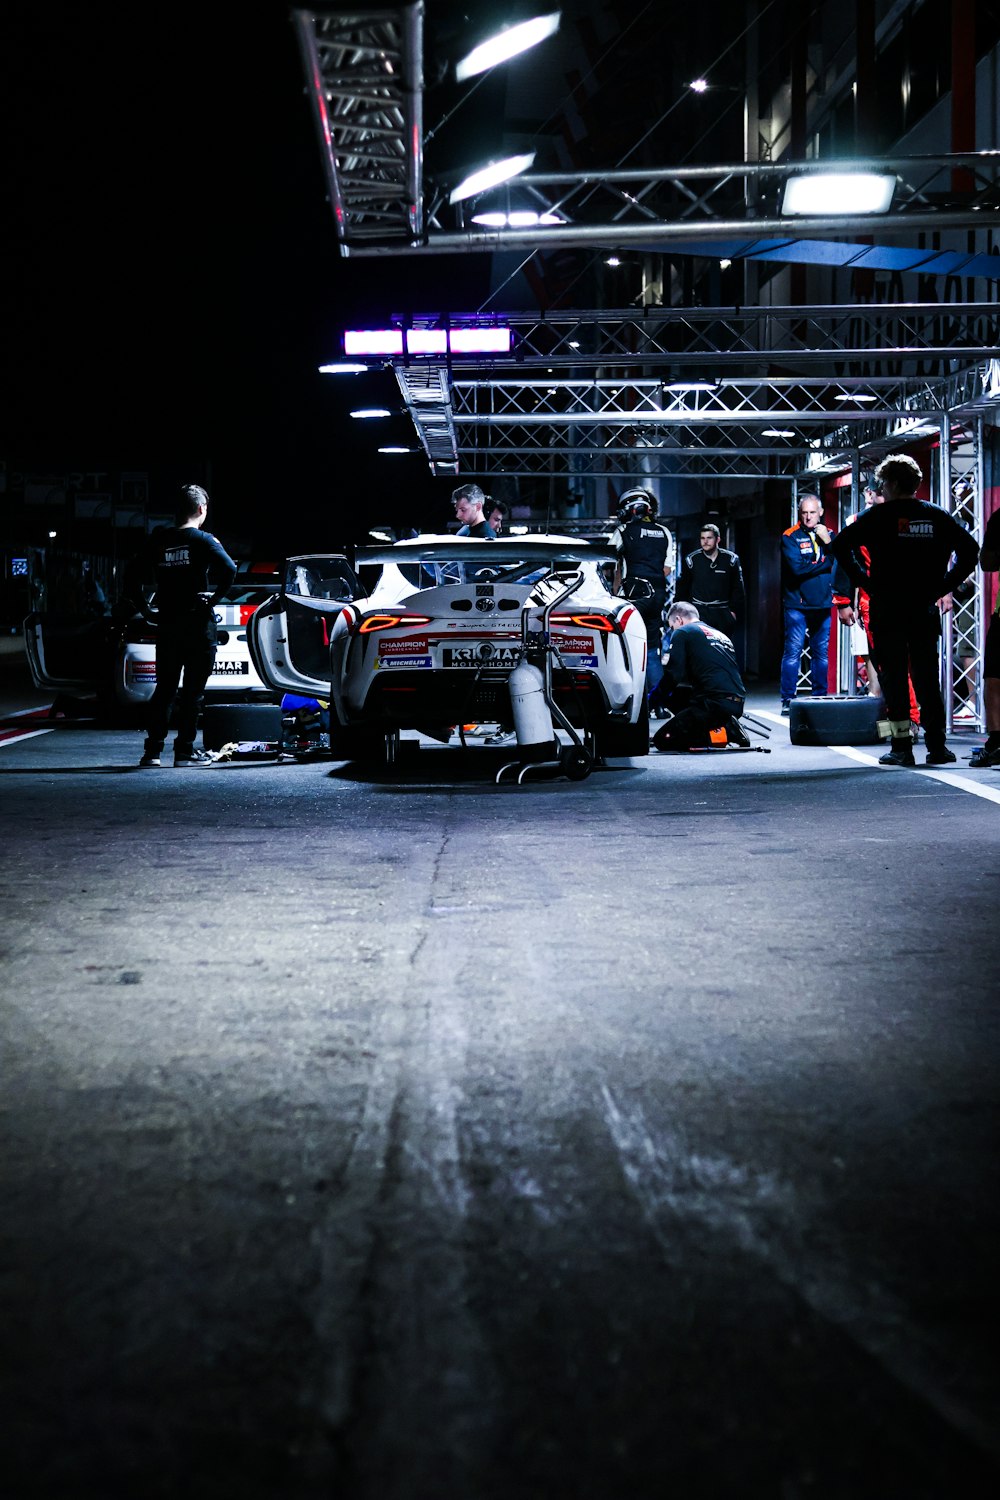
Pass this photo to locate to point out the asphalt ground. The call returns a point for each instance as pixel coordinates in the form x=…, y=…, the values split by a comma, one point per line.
x=409, y=1136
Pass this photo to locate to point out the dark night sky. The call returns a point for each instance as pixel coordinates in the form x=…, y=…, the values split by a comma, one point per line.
x=173, y=279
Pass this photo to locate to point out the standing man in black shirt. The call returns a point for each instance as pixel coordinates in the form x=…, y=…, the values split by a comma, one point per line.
x=645, y=558
x=468, y=501
x=191, y=570
x=910, y=546
x=712, y=579
x=706, y=690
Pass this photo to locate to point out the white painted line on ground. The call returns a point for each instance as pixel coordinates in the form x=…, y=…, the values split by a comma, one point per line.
x=850, y=752
x=992, y=794
x=17, y=736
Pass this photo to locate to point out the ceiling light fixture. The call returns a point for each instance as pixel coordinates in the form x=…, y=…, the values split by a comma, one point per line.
x=838, y=193
x=342, y=369
x=776, y=432
x=854, y=396
x=699, y=86
x=396, y=450
x=506, y=44
x=365, y=412
x=517, y=219
x=491, y=175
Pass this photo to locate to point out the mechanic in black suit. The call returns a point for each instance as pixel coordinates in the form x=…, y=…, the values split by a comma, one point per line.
x=703, y=685
x=711, y=577
x=191, y=570
x=645, y=559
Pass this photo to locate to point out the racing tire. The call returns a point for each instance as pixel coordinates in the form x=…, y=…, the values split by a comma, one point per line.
x=625, y=739
x=222, y=723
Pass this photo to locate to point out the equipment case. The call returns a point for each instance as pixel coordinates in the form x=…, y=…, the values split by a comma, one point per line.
x=835, y=721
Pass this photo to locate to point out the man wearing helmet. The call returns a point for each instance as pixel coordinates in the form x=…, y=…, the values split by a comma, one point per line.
x=645, y=559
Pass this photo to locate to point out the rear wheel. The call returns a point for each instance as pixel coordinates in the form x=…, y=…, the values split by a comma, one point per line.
x=626, y=739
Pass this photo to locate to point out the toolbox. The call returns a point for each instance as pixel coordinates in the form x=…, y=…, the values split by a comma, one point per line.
x=836, y=720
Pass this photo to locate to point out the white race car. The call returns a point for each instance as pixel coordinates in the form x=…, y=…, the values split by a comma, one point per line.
x=431, y=643
x=92, y=656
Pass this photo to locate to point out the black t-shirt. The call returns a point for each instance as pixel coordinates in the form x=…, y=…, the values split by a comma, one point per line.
x=644, y=547
x=909, y=544
x=184, y=563
x=704, y=660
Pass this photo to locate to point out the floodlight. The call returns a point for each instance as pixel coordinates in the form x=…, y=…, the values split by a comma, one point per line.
x=782, y=432
x=517, y=219
x=371, y=411
x=698, y=86
x=342, y=369
x=854, y=396
x=838, y=193
x=506, y=44
x=491, y=175
x=395, y=450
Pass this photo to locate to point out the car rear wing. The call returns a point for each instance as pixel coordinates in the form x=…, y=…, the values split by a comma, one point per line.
x=550, y=552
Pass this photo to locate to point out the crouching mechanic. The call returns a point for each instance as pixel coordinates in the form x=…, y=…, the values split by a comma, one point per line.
x=192, y=570
x=705, y=689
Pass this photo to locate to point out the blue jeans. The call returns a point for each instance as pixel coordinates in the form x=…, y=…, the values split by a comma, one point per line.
x=798, y=624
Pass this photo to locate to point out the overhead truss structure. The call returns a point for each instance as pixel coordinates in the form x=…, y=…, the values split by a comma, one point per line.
x=364, y=78
x=709, y=392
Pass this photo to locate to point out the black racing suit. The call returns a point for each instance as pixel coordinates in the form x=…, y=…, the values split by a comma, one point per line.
x=714, y=585
x=705, y=688
x=644, y=547
x=910, y=545
x=191, y=570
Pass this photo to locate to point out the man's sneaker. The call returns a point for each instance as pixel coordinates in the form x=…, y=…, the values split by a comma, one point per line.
x=982, y=757
x=784, y=710
x=940, y=757
x=897, y=758
x=502, y=737
x=194, y=758
x=149, y=760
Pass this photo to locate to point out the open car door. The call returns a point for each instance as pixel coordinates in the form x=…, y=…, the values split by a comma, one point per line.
x=67, y=653
x=288, y=636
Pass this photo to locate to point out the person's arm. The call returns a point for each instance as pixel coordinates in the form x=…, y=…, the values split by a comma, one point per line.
x=616, y=542
x=844, y=550
x=966, y=551
x=221, y=568
x=844, y=595
x=989, y=556
x=737, y=592
x=802, y=565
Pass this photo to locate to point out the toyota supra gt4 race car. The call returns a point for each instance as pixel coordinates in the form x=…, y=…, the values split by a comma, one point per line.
x=433, y=641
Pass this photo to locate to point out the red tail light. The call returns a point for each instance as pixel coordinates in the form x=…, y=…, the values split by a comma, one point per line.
x=588, y=622
x=388, y=622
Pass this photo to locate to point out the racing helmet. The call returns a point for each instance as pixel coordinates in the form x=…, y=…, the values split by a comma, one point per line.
x=636, y=503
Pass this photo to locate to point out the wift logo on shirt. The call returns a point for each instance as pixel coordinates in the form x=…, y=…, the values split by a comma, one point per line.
x=176, y=557
x=906, y=527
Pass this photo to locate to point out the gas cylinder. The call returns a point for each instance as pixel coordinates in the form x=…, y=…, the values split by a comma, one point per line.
x=532, y=718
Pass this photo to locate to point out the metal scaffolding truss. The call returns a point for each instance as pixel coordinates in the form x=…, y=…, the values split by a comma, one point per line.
x=363, y=72
x=364, y=78
x=587, y=392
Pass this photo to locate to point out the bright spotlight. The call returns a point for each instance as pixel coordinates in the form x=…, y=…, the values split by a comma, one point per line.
x=506, y=44
x=698, y=86
x=838, y=193
x=489, y=176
